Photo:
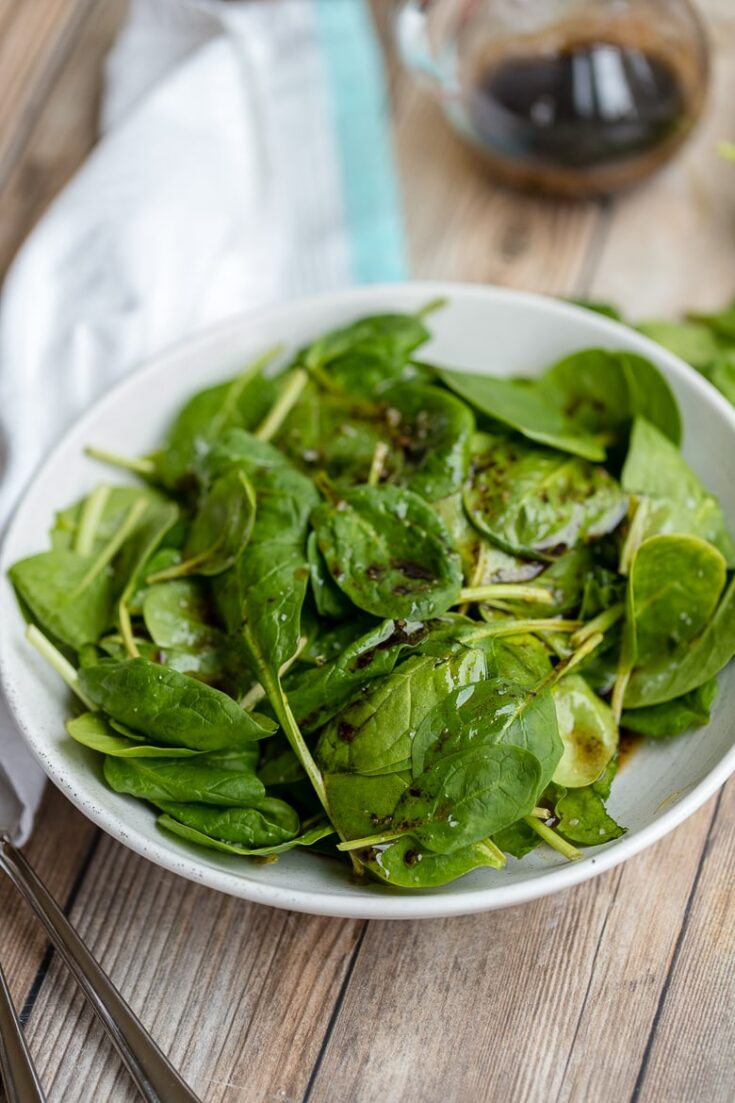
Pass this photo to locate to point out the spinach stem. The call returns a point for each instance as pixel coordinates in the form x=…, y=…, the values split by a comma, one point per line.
x=635, y=534
x=515, y=591
x=239, y=384
x=283, y=405
x=431, y=307
x=370, y=840
x=61, y=665
x=111, y=549
x=126, y=630
x=553, y=839
x=541, y=813
x=179, y=570
x=566, y=665
x=601, y=623
x=256, y=693
x=494, y=852
x=90, y=518
x=618, y=693
x=139, y=465
x=378, y=463
x=520, y=627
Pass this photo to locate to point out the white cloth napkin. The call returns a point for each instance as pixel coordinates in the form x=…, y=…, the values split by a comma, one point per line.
x=244, y=159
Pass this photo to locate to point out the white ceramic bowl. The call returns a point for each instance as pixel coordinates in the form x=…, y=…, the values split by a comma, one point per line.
x=481, y=329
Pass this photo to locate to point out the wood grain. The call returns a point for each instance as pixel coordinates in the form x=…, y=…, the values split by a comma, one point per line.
x=240, y=996
x=518, y=1004
x=623, y=988
x=35, y=39
x=62, y=134
x=670, y=245
x=61, y=845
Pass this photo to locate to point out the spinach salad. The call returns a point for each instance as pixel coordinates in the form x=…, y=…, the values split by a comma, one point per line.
x=390, y=611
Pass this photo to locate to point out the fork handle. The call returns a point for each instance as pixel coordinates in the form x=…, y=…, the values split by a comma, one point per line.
x=16, y=1064
x=155, y=1077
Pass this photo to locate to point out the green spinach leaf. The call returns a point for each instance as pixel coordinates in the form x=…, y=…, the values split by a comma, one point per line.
x=389, y=552
x=603, y=391
x=691, y=710
x=205, y=779
x=522, y=405
x=267, y=822
x=588, y=733
x=677, y=501
x=537, y=503
x=169, y=707
x=464, y=797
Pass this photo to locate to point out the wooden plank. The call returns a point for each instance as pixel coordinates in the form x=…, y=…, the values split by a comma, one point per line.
x=460, y=225
x=63, y=134
x=669, y=246
x=691, y=1049
x=62, y=840
x=518, y=1004
x=37, y=36
x=240, y=996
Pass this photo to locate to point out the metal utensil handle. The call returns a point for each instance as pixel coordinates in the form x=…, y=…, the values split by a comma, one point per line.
x=16, y=1064
x=157, y=1080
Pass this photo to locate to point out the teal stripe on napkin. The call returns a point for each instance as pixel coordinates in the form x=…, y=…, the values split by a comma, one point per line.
x=358, y=98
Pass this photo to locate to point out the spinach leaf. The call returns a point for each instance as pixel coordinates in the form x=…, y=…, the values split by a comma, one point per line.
x=241, y=403
x=373, y=734
x=692, y=341
x=360, y=804
x=222, y=526
x=335, y=433
x=267, y=822
x=310, y=836
x=464, y=797
x=588, y=733
x=674, y=588
x=65, y=595
x=263, y=594
x=602, y=391
x=407, y=864
x=677, y=501
x=582, y=815
x=329, y=600
x=688, y=666
x=721, y=323
x=721, y=373
x=483, y=562
x=318, y=694
x=389, y=552
x=169, y=707
x=71, y=593
x=675, y=585
x=432, y=431
x=691, y=710
x=488, y=713
x=92, y=730
x=368, y=355
x=179, y=619
x=204, y=779
x=522, y=405
x=537, y=503
x=606, y=309
x=518, y=840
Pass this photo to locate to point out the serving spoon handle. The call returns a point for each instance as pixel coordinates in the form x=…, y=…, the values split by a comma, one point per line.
x=155, y=1077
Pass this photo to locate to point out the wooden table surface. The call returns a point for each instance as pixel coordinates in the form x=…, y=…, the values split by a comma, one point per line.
x=623, y=988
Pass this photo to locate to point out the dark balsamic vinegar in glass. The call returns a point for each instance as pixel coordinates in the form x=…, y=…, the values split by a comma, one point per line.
x=580, y=116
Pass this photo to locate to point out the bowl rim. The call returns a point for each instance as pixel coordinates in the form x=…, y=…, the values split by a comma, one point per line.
x=369, y=905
